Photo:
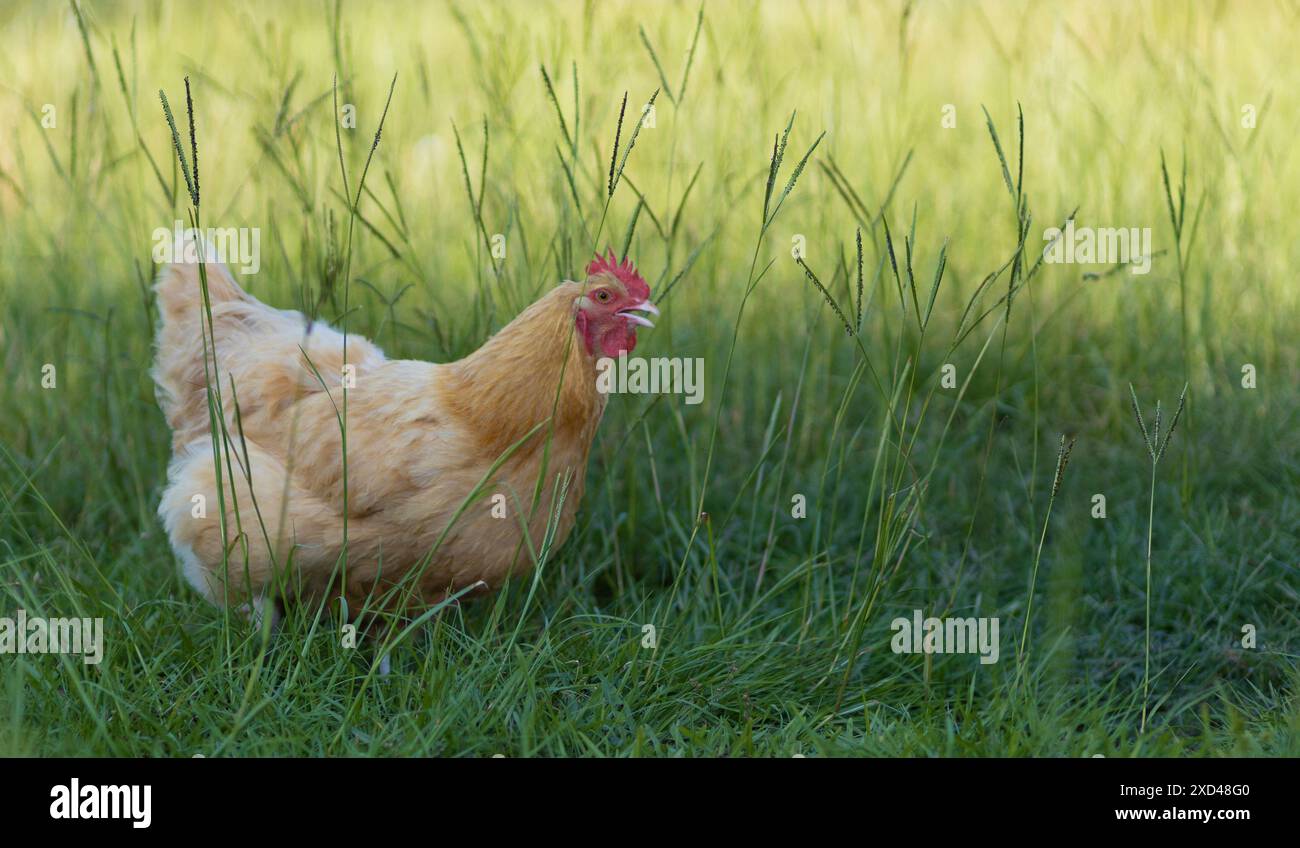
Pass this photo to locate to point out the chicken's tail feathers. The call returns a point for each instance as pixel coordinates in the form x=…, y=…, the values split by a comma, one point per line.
x=273, y=356
x=180, y=371
x=180, y=288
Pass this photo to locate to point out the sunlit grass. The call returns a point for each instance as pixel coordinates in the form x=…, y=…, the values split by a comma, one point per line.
x=771, y=631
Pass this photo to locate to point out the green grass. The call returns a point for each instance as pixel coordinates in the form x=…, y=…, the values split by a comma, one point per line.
x=771, y=632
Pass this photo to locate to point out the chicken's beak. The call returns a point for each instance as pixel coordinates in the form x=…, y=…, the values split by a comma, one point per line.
x=643, y=306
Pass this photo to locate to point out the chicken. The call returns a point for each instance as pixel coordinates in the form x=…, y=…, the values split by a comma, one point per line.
x=420, y=438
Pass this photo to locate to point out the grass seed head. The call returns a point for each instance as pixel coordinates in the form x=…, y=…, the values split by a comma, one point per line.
x=1173, y=424
x=858, y=323
x=1062, y=460
x=808, y=272
x=176, y=143
x=618, y=132
x=1137, y=413
x=194, y=142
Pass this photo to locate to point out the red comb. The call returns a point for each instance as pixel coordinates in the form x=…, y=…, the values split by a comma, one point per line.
x=625, y=272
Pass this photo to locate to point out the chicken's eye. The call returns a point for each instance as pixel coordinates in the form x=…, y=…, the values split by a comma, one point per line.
x=602, y=296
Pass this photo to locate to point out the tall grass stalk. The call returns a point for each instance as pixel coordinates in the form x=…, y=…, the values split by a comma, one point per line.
x=1156, y=446
x=212, y=380
x=1062, y=460
x=353, y=207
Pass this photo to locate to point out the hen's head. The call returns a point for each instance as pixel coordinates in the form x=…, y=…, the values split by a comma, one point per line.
x=607, y=311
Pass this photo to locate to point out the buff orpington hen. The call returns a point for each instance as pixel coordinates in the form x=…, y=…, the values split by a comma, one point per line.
x=420, y=438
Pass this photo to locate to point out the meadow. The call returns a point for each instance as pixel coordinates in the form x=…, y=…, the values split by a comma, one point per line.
x=841, y=209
